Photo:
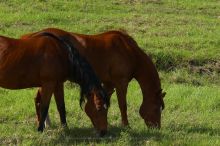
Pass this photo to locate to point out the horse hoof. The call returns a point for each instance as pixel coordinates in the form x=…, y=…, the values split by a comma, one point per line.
x=65, y=127
x=128, y=126
x=40, y=129
x=125, y=124
x=102, y=133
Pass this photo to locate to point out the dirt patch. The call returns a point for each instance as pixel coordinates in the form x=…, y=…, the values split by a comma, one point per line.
x=206, y=67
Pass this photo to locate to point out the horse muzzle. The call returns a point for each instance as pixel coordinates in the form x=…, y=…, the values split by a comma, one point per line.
x=101, y=133
x=153, y=125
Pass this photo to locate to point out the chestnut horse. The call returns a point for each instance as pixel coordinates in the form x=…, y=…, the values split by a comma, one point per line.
x=47, y=61
x=117, y=59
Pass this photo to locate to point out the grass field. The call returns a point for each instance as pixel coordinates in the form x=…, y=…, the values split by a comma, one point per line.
x=183, y=39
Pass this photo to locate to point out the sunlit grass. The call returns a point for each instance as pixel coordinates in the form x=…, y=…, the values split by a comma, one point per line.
x=191, y=115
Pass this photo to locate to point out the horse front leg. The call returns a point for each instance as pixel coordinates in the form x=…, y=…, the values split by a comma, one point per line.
x=59, y=98
x=121, y=91
x=46, y=93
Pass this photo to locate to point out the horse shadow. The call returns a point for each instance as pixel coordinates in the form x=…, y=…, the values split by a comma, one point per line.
x=87, y=135
x=132, y=136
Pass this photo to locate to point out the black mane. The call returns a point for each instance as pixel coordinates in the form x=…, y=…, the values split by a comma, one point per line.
x=81, y=71
x=83, y=74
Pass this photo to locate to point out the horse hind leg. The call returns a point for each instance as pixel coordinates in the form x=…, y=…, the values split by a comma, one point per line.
x=121, y=91
x=37, y=107
x=59, y=98
x=46, y=93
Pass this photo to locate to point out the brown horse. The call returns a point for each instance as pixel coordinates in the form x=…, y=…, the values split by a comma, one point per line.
x=47, y=61
x=116, y=59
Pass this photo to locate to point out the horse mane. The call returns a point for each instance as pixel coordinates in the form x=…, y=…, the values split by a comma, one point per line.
x=123, y=31
x=81, y=71
x=84, y=75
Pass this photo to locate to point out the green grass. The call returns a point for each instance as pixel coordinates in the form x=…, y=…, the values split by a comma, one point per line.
x=183, y=39
x=192, y=115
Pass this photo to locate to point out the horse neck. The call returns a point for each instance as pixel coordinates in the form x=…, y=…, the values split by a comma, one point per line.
x=148, y=78
x=145, y=72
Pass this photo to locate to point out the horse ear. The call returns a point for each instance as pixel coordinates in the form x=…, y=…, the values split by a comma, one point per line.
x=163, y=94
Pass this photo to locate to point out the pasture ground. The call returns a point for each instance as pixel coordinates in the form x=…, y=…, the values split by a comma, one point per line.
x=181, y=36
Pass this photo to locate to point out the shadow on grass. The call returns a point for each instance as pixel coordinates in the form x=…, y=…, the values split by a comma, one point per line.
x=195, y=129
x=204, y=130
x=115, y=134
x=128, y=135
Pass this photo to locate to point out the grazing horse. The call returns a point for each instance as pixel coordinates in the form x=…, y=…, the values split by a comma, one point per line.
x=117, y=59
x=47, y=61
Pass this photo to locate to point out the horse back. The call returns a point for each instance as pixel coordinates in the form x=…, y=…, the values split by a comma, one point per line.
x=109, y=53
x=29, y=62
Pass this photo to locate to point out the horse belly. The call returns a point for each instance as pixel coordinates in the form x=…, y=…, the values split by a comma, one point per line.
x=121, y=67
x=18, y=82
x=19, y=78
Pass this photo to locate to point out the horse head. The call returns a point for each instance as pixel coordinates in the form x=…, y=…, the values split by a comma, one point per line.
x=96, y=109
x=151, y=111
x=91, y=88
